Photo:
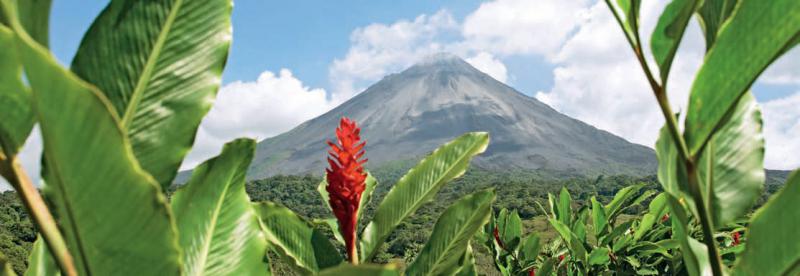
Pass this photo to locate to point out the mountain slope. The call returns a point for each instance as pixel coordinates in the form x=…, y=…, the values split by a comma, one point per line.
x=406, y=115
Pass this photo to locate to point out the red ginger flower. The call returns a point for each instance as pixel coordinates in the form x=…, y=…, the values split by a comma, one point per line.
x=736, y=238
x=532, y=272
x=346, y=181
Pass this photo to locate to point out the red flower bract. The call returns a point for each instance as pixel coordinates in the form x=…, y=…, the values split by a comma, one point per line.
x=346, y=180
x=736, y=238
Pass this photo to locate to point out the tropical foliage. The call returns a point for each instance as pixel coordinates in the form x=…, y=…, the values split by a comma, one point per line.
x=117, y=124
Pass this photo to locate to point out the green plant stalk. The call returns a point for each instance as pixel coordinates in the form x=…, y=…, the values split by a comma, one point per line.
x=683, y=151
x=46, y=224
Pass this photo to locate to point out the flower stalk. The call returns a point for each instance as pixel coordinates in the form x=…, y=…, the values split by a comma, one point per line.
x=346, y=181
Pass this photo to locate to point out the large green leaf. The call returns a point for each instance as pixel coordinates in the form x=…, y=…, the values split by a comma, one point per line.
x=621, y=199
x=418, y=186
x=734, y=163
x=509, y=228
x=564, y=207
x=451, y=235
x=599, y=221
x=711, y=15
x=347, y=269
x=755, y=35
x=467, y=266
x=16, y=118
x=599, y=256
x=303, y=247
x=160, y=65
x=772, y=247
x=40, y=261
x=219, y=231
x=671, y=171
x=695, y=256
x=112, y=213
x=668, y=33
x=34, y=15
x=530, y=248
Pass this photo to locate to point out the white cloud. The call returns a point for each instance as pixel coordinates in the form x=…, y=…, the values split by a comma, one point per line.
x=490, y=65
x=378, y=49
x=598, y=80
x=264, y=108
x=509, y=27
x=782, y=132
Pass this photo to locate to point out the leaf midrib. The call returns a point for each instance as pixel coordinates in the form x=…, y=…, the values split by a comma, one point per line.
x=147, y=72
x=450, y=244
x=417, y=202
x=213, y=226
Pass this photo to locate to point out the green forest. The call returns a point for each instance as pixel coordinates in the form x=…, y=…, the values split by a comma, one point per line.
x=518, y=191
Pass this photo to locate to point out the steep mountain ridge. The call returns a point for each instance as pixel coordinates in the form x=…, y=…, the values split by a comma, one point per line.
x=406, y=115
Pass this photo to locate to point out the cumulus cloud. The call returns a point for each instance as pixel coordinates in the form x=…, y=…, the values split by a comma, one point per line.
x=598, y=80
x=379, y=49
x=490, y=65
x=260, y=109
x=510, y=27
x=782, y=132
x=786, y=70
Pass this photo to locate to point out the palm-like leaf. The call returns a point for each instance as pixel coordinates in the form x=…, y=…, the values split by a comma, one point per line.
x=419, y=185
x=159, y=63
x=112, y=214
x=302, y=246
x=219, y=230
x=451, y=235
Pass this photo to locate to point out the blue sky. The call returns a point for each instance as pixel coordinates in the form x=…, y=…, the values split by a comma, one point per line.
x=293, y=60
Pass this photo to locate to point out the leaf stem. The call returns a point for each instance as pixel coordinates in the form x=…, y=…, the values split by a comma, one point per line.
x=683, y=151
x=46, y=224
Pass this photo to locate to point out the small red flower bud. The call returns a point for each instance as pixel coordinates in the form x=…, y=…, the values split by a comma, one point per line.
x=532, y=272
x=736, y=238
x=561, y=258
x=665, y=218
x=346, y=180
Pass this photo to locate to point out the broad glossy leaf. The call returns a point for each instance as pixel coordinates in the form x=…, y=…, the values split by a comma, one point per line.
x=160, y=65
x=369, y=188
x=734, y=162
x=219, y=230
x=599, y=256
x=644, y=226
x=451, y=235
x=509, y=226
x=575, y=246
x=112, y=214
x=711, y=16
x=530, y=248
x=564, y=207
x=622, y=197
x=599, y=222
x=303, y=247
x=419, y=186
x=16, y=118
x=772, y=247
x=668, y=33
x=695, y=256
x=671, y=172
x=548, y=266
x=40, y=261
x=347, y=269
x=755, y=35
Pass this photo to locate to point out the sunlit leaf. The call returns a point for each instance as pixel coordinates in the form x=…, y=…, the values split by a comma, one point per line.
x=754, y=36
x=451, y=235
x=300, y=245
x=599, y=256
x=159, y=63
x=219, y=231
x=599, y=222
x=16, y=118
x=112, y=214
x=419, y=186
x=347, y=269
x=734, y=163
x=711, y=16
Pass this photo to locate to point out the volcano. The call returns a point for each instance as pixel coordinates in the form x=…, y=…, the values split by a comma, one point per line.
x=407, y=115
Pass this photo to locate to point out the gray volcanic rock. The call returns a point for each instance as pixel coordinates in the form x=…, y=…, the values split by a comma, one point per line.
x=407, y=115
